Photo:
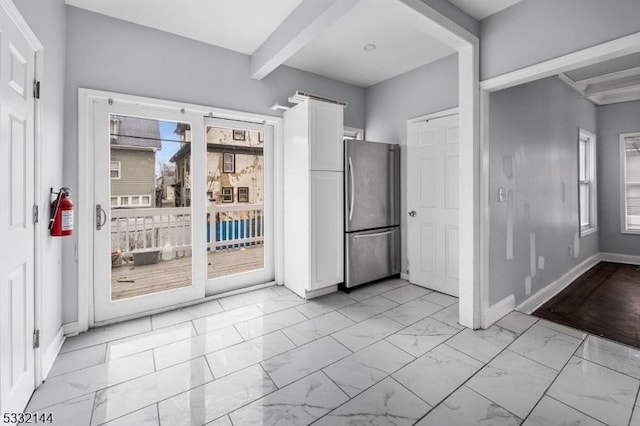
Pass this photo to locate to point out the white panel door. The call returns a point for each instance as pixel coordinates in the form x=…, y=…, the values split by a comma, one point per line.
x=17, y=380
x=432, y=191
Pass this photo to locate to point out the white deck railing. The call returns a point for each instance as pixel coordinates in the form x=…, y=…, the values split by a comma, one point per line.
x=230, y=227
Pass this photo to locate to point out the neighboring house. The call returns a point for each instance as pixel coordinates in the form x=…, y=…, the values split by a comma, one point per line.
x=166, y=191
x=235, y=167
x=134, y=142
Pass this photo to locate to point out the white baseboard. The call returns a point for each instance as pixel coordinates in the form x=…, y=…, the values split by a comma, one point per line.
x=546, y=293
x=311, y=294
x=620, y=258
x=51, y=353
x=497, y=311
x=404, y=276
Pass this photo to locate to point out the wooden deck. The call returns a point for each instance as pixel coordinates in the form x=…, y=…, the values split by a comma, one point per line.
x=130, y=281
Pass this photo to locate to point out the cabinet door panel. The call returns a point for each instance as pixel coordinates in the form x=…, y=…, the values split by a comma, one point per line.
x=326, y=134
x=326, y=229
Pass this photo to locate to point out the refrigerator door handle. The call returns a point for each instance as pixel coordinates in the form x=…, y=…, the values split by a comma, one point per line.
x=377, y=234
x=353, y=192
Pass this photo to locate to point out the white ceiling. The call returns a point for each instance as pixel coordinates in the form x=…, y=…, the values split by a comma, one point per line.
x=607, y=82
x=337, y=52
x=481, y=9
x=240, y=25
x=400, y=45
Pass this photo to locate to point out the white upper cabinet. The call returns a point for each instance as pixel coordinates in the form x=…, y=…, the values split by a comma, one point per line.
x=326, y=130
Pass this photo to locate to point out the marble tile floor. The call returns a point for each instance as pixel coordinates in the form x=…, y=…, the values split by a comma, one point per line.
x=386, y=354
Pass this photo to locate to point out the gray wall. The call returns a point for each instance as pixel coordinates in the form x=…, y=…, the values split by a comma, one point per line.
x=613, y=120
x=47, y=20
x=109, y=54
x=534, y=127
x=428, y=89
x=537, y=30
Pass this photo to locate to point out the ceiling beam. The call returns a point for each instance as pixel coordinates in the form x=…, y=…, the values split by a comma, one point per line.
x=305, y=23
x=620, y=85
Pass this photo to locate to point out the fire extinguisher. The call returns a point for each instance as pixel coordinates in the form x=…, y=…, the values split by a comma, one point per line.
x=61, y=220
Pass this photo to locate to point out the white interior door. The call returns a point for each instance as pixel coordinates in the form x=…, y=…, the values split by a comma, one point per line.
x=149, y=231
x=240, y=200
x=432, y=205
x=17, y=380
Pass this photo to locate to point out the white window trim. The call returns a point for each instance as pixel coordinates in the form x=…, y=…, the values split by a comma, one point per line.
x=353, y=133
x=593, y=183
x=119, y=170
x=623, y=184
x=129, y=198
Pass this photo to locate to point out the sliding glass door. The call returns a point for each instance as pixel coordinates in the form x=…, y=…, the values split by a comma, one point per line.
x=148, y=236
x=239, y=198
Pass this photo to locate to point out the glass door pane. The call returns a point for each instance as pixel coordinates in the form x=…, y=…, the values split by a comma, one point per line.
x=150, y=208
x=238, y=206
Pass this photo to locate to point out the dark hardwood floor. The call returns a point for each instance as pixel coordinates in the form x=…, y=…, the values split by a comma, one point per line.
x=604, y=301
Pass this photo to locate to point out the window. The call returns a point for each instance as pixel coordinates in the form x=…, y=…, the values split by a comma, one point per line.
x=227, y=194
x=115, y=170
x=587, y=204
x=353, y=133
x=131, y=201
x=228, y=162
x=630, y=182
x=243, y=194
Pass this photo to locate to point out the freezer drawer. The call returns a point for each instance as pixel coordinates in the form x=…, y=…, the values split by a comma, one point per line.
x=371, y=255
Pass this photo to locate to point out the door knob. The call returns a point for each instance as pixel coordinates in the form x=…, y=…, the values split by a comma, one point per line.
x=412, y=213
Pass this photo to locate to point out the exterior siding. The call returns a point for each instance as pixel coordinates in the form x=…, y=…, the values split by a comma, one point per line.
x=137, y=173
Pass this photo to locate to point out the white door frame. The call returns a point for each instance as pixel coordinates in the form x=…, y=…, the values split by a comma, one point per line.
x=85, y=222
x=467, y=45
x=39, y=185
x=588, y=56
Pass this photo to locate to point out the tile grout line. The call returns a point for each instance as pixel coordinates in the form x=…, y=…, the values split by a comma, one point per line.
x=355, y=352
x=492, y=401
x=566, y=405
x=93, y=406
x=167, y=398
x=458, y=331
x=605, y=366
x=634, y=406
x=480, y=369
x=204, y=355
x=555, y=379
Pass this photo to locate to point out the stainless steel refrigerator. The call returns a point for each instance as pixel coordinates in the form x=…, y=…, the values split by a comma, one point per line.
x=372, y=211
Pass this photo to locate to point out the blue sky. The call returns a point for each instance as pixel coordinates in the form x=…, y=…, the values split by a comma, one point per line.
x=168, y=147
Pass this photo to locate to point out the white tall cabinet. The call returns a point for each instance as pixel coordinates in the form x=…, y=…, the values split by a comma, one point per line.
x=313, y=197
